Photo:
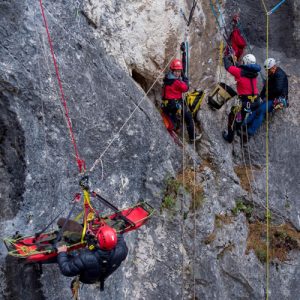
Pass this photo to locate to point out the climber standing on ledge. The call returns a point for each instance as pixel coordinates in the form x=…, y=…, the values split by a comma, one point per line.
x=175, y=83
x=246, y=83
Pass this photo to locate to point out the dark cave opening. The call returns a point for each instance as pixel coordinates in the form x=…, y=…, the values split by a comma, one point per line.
x=155, y=93
x=140, y=80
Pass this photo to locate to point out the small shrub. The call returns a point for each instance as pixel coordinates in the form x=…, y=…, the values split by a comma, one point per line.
x=170, y=193
x=168, y=202
x=261, y=254
x=240, y=206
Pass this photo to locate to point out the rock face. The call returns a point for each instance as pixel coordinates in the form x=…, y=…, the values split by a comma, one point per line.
x=140, y=34
x=108, y=52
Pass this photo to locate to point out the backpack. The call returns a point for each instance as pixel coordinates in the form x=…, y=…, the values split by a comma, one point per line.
x=194, y=100
x=221, y=94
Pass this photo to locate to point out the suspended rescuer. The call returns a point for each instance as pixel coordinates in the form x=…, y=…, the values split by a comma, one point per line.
x=104, y=254
x=246, y=84
x=172, y=103
x=277, y=95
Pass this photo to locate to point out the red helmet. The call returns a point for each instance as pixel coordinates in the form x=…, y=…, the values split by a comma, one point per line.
x=176, y=64
x=107, y=238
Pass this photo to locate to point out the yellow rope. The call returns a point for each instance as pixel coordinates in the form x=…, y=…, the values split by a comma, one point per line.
x=183, y=178
x=221, y=50
x=221, y=53
x=79, y=216
x=195, y=228
x=182, y=200
x=90, y=215
x=267, y=160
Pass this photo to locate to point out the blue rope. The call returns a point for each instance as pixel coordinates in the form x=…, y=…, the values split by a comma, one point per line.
x=215, y=14
x=275, y=7
x=219, y=9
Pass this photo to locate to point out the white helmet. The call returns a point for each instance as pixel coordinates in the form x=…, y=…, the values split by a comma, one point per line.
x=269, y=63
x=249, y=59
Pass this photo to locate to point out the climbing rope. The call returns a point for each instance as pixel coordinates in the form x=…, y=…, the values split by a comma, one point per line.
x=195, y=224
x=183, y=181
x=116, y=135
x=275, y=8
x=186, y=71
x=222, y=18
x=267, y=161
x=190, y=18
x=226, y=37
x=192, y=13
x=80, y=162
x=46, y=147
x=215, y=15
x=245, y=164
x=221, y=50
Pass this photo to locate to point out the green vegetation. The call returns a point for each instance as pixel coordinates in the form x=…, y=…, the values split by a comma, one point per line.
x=168, y=202
x=184, y=181
x=170, y=193
x=240, y=206
x=261, y=254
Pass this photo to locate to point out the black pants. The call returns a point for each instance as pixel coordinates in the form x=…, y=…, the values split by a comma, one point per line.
x=235, y=126
x=173, y=109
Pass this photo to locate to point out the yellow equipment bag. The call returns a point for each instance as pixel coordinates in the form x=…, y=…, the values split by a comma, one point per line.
x=194, y=100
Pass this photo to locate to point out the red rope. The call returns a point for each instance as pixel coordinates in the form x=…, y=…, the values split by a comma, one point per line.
x=80, y=162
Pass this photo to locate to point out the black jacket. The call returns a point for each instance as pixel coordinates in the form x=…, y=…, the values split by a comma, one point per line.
x=89, y=264
x=278, y=85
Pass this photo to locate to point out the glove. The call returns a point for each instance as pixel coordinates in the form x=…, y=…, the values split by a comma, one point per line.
x=228, y=62
x=182, y=47
x=185, y=79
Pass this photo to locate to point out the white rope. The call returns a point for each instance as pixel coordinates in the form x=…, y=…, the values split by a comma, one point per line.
x=195, y=224
x=255, y=183
x=116, y=135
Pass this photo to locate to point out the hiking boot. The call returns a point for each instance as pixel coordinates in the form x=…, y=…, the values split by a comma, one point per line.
x=197, y=138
